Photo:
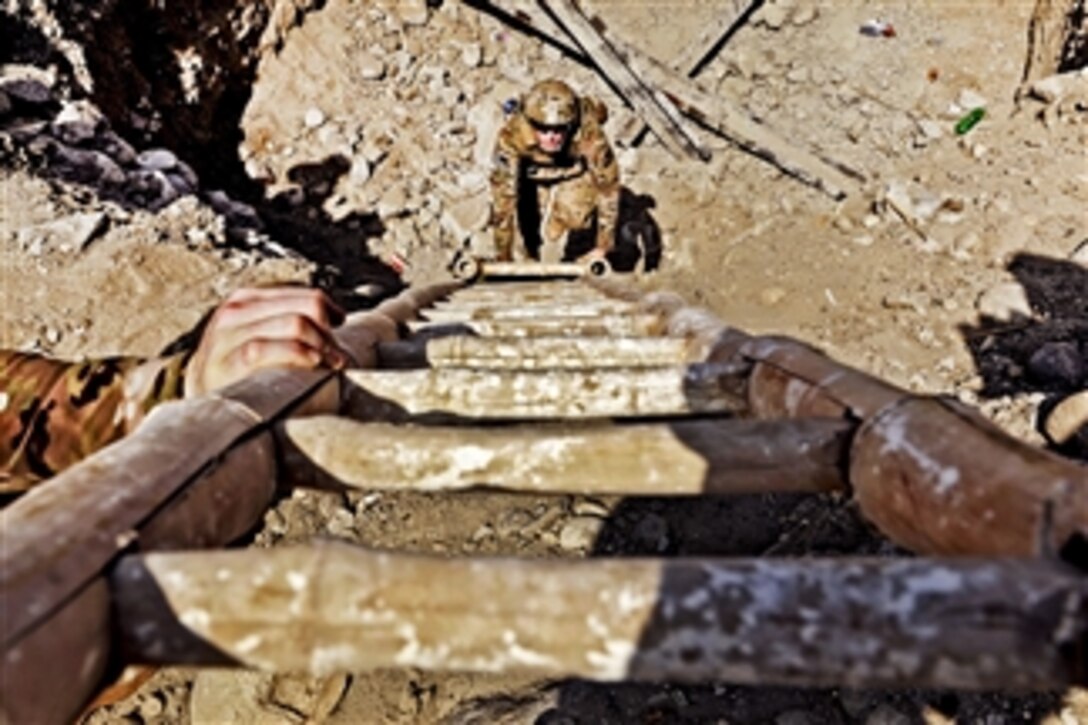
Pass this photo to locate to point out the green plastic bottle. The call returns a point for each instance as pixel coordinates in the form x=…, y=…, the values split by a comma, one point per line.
x=969, y=121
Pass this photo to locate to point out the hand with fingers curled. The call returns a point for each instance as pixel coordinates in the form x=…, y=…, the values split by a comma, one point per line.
x=261, y=328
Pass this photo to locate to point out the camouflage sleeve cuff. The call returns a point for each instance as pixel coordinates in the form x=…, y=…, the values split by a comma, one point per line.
x=55, y=413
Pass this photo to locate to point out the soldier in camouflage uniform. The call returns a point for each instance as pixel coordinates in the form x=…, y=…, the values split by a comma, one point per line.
x=54, y=413
x=554, y=177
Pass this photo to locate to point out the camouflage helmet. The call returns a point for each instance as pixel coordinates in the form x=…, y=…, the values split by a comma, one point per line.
x=551, y=103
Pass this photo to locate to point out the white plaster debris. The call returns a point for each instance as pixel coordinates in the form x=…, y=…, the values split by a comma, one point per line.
x=696, y=599
x=524, y=656
x=337, y=658
x=297, y=580
x=197, y=619
x=470, y=458
x=248, y=644
x=631, y=599
x=944, y=477
x=613, y=662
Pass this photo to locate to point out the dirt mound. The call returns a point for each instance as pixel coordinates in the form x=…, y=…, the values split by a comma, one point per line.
x=155, y=156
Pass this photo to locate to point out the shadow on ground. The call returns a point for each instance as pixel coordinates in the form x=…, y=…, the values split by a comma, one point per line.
x=1046, y=352
x=782, y=525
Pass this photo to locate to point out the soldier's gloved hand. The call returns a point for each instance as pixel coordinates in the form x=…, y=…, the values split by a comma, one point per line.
x=262, y=328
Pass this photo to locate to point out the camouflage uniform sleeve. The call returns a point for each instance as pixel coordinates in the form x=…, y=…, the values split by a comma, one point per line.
x=606, y=175
x=54, y=413
x=504, y=181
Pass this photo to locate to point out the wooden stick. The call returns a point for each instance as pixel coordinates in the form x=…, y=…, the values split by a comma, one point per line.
x=684, y=458
x=613, y=67
x=497, y=296
x=622, y=326
x=557, y=308
x=519, y=395
x=541, y=353
x=735, y=124
x=697, y=53
x=963, y=624
x=538, y=270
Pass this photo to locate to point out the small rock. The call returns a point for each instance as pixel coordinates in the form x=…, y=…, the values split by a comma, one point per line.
x=87, y=166
x=157, y=160
x=798, y=74
x=73, y=232
x=360, y=170
x=932, y=130
x=413, y=12
x=74, y=133
x=1069, y=419
x=482, y=533
x=393, y=203
x=472, y=55
x=1080, y=254
x=180, y=184
x=117, y=148
x=589, y=507
x=150, y=707
x=773, y=16
x=466, y=216
x=580, y=533
x=771, y=296
x=150, y=188
x=915, y=302
x=805, y=15
x=314, y=118
x=371, y=66
x=965, y=245
x=1005, y=301
x=374, y=151
x=341, y=524
x=220, y=696
x=1058, y=363
x=969, y=99
x=27, y=92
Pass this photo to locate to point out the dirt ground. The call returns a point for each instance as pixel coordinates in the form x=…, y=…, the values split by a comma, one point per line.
x=328, y=141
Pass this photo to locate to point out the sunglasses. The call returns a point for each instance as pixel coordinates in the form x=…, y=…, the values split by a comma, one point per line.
x=545, y=128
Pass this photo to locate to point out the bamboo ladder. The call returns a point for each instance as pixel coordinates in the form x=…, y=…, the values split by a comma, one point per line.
x=547, y=379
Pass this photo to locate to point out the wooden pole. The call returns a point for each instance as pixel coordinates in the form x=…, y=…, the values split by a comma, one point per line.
x=697, y=53
x=1048, y=32
x=737, y=125
x=557, y=308
x=613, y=67
x=964, y=624
x=541, y=353
x=622, y=326
x=402, y=395
x=683, y=458
x=938, y=478
x=542, y=270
